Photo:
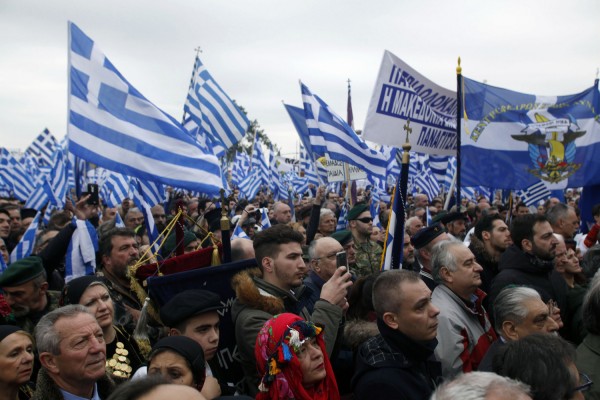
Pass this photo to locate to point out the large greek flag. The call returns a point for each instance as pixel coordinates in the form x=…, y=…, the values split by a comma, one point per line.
x=513, y=140
x=330, y=134
x=215, y=113
x=114, y=126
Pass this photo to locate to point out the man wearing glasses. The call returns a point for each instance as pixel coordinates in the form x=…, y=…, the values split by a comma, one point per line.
x=368, y=252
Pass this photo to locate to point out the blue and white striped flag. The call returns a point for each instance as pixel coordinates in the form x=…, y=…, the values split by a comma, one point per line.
x=330, y=134
x=58, y=179
x=265, y=222
x=450, y=173
x=114, y=126
x=342, y=222
x=206, y=143
x=25, y=246
x=42, y=148
x=238, y=233
x=250, y=185
x=534, y=194
x=80, y=259
x=119, y=221
x=115, y=189
x=145, y=196
x=215, y=113
x=40, y=195
x=427, y=183
x=15, y=176
x=259, y=162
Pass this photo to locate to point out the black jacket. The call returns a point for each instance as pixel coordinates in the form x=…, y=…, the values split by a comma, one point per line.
x=392, y=366
x=520, y=268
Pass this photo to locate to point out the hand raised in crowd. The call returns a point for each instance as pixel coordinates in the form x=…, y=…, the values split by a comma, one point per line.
x=335, y=289
x=82, y=210
x=319, y=196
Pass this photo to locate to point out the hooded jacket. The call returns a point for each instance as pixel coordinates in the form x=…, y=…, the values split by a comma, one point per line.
x=258, y=301
x=393, y=366
x=520, y=268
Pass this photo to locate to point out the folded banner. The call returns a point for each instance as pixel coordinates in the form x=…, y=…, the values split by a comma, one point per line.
x=402, y=93
x=513, y=140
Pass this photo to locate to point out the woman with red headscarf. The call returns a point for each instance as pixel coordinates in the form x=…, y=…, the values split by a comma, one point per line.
x=292, y=360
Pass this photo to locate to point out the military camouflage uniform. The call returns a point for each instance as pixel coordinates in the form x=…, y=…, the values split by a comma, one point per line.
x=29, y=321
x=368, y=258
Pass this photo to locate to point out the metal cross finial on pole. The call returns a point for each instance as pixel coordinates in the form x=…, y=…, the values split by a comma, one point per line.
x=408, y=129
x=198, y=50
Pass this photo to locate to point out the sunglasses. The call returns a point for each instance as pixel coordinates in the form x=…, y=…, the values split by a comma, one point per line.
x=365, y=220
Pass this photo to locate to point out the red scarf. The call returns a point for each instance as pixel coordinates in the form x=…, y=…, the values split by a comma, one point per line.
x=278, y=364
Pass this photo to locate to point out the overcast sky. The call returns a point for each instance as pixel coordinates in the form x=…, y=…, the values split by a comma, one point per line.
x=258, y=50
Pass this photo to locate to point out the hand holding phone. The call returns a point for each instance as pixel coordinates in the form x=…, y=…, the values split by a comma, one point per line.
x=92, y=190
x=341, y=260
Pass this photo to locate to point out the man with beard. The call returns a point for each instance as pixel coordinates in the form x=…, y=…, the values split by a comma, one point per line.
x=529, y=261
x=490, y=240
x=160, y=218
x=368, y=252
x=409, y=260
x=26, y=290
x=119, y=250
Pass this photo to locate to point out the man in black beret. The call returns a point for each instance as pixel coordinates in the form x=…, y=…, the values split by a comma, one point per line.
x=347, y=241
x=456, y=224
x=26, y=290
x=423, y=241
x=194, y=313
x=368, y=252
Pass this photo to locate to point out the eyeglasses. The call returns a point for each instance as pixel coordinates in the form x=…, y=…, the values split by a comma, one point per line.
x=329, y=256
x=365, y=220
x=584, y=383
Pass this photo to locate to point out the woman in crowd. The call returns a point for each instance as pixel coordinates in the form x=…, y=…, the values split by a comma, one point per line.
x=178, y=359
x=292, y=360
x=123, y=354
x=16, y=363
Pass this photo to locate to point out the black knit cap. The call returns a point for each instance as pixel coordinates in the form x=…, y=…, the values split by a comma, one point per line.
x=188, y=349
x=6, y=330
x=188, y=304
x=73, y=290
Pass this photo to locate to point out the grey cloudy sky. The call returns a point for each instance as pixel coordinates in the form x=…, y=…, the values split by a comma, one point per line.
x=258, y=50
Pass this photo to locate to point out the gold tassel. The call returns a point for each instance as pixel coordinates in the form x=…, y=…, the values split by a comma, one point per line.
x=216, y=259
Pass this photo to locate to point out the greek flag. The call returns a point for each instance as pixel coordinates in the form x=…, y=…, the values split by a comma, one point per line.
x=438, y=166
x=250, y=185
x=534, y=193
x=115, y=189
x=80, y=259
x=427, y=183
x=40, y=196
x=342, y=222
x=3, y=265
x=58, y=179
x=215, y=113
x=119, y=221
x=114, y=126
x=394, y=241
x=43, y=147
x=265, y=222
x=25, y=246
x=15, y=176
x=259, y=162
x=207, y=144
x=145, y=196
x=238, y=233
x=241, y=166
x=330, y=134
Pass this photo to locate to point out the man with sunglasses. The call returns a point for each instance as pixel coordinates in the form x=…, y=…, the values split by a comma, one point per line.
x=368, y=252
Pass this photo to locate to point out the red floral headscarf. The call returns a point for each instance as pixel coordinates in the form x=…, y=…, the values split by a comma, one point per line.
x=276, y=347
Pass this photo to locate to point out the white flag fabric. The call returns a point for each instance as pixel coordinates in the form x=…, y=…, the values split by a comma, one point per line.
x=114, y=126
x=401, y=93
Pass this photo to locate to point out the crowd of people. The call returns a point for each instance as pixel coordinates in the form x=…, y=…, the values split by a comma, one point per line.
x=490, y=303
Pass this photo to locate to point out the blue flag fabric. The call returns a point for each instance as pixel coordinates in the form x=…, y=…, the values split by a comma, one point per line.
x=394, y=241
x=115, y=189
x=533, y=194
x=114, y=126
x=25, y=246
x=145, y=196
x=342, y=222
x=330, y=134
x=80, y=259
x=513, y=140
x=218, y=117
x=42, y=148
x=3, y=265
x=15, y=176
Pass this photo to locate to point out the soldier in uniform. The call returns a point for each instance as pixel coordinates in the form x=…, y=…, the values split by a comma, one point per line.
x=368, y=252
x=25, y=288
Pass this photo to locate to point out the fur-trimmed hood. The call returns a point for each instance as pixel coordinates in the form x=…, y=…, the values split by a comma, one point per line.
x=358, y=331
x=250, y=291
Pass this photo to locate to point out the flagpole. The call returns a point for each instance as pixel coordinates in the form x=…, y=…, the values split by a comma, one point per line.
x=459, y=112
